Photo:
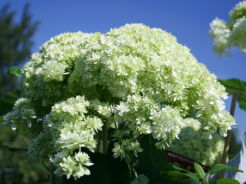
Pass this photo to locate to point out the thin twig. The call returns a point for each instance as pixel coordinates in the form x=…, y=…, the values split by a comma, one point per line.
x=228, y=137
x=12, y=149
x=98, y=143
x=105, y=138
x=46, y=167
x=52, y=177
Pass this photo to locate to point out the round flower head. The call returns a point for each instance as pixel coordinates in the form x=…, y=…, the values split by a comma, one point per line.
x=232, y=33
x=138, y=80
x=205, y=150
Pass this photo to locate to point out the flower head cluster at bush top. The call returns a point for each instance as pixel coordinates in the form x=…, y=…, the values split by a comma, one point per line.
x=138, y=80
x=232, y=33
x=205, y=150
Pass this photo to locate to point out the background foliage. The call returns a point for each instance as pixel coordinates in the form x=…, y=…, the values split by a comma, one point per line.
x=15, y=49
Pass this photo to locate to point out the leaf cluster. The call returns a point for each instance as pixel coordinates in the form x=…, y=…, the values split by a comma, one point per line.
x=205, y=177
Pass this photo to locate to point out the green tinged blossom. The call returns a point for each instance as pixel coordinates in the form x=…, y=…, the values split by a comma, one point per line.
x=206, y=150
x=232, y=33
x=137, y=79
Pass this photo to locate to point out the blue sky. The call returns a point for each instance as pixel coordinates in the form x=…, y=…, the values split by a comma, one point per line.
x=188, y=20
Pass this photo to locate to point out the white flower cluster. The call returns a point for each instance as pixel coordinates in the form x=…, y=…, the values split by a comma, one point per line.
x=232, y=33
x=205, y=150
x=69, y=129
x=126, y=145
x=23, y=113
x=138, y=80
x=76, y=165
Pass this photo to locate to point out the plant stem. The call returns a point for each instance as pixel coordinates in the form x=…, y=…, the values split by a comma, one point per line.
x=98, y=143
x=52, y=178
x=228, y=137
x=12, y=149
x=105, y=138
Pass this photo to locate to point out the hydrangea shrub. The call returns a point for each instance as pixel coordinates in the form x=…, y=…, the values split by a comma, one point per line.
x=232, y=33
x=206, y=150
x=136, y=80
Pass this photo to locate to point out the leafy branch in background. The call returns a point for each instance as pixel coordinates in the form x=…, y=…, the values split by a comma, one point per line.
x=227, y=35
x=15, y=43
x=15, y=49
x=238, y=86
x=205, y=178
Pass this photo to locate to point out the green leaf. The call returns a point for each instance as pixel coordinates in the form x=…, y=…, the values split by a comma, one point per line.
x=175, y=174
x=239, y=86
x=199, y=170
x=183, y=172
x=192, y=176
x=220, y=167
x=178, y=168
x=227, y=181
x=234, y=85
x=141, y=179
x=15, y=70
x=241, y=99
